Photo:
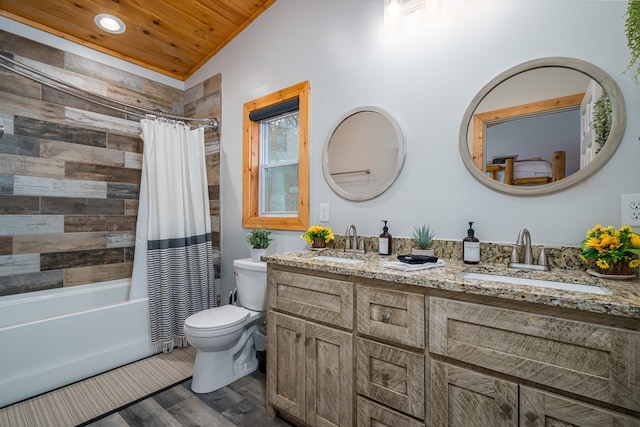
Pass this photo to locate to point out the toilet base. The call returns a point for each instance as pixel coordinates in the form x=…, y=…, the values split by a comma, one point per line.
x=216, y=369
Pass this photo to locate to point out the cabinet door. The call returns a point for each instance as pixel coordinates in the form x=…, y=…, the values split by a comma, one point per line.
x=464, y=398
x=329, y=376
x=370, y=414
x=285, y=364
x=391, y=376
x=391, y=315
x=541, y=409
x=591, y=360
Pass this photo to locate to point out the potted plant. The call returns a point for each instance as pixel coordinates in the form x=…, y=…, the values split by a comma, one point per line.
x=422, y=236
x=318, y=236
x=615, y=252
x=259, y=239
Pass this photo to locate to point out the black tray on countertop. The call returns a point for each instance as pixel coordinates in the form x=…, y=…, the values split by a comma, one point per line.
x=417, y=259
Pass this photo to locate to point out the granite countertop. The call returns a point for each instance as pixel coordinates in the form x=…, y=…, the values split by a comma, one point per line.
x=623, y=298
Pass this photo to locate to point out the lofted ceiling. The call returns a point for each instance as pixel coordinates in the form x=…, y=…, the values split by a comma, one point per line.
x=172, y=37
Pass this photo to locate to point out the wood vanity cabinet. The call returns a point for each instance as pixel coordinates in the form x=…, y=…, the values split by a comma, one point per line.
x=310, y=348
x=390, y=360
x=346, y=351
x=596, y=362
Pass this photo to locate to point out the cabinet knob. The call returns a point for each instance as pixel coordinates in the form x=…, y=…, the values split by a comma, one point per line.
x=531, y=416
x=386, y=317
x=298, y=335
x=386, y=376
x=307, y=340
x=506, y=408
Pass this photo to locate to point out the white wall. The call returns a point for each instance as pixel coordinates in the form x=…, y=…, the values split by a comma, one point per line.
x=427, y=82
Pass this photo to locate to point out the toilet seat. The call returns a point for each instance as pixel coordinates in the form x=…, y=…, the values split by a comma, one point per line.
x=217, y=318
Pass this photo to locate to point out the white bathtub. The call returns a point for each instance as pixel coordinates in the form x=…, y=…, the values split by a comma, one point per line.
x=52, y=338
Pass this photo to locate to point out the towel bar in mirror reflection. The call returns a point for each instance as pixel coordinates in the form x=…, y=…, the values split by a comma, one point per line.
x=542, y=126
x=367, y=171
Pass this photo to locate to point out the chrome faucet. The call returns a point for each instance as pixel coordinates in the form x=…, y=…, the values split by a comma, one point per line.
x=524, y=238
x=351, y=244
x=524, y=241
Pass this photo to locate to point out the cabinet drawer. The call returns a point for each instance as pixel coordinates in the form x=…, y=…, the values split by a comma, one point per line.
x=391, y=315
x=591, y=360
x=391, y=376
x=372, y=414
x=318, y=298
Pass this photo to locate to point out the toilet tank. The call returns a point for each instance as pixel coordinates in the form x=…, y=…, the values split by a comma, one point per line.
x=251, y=282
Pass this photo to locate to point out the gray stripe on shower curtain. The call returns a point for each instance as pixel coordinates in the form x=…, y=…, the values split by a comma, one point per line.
x=187, y=265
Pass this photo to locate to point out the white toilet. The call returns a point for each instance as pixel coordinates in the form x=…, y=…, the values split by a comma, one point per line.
x=223, y=336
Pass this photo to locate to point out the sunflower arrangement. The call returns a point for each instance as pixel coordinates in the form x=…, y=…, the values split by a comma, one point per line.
x=614, y=251
x=318, y=231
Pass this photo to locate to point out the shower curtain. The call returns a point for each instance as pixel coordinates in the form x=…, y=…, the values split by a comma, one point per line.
x=173, y=262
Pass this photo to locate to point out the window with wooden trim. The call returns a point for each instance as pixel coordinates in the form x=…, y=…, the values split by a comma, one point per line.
x=275, y=174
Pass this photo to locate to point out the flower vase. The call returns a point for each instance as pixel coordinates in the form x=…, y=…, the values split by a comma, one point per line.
x=618, y=269
x=319, y=242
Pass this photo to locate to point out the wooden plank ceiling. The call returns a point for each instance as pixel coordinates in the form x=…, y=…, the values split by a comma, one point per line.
x=173, y=37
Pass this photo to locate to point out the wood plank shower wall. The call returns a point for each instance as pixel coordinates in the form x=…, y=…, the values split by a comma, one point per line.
x=70, y=170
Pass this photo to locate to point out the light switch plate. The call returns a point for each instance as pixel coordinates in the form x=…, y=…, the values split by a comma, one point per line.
x=630, y=209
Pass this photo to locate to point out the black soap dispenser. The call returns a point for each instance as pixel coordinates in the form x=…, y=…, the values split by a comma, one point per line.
x=470, y=247
x=384, y=241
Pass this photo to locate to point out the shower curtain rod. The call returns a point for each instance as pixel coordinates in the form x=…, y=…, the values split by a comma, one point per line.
x=210, y=123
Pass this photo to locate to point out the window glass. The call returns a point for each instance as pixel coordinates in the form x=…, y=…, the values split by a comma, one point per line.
x=281, y=190
x=279, y=165
x=279, y=138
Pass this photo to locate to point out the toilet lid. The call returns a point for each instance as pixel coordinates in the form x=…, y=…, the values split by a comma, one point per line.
x=217, y=317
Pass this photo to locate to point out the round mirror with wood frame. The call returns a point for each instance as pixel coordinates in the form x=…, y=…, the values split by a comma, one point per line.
x=364, y=154
x=530, y=99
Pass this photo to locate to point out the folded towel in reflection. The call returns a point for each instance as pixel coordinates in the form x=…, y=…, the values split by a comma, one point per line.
x=396, y=265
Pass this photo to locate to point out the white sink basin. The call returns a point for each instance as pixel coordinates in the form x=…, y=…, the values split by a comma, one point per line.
x=337, y=259
x=577, y=287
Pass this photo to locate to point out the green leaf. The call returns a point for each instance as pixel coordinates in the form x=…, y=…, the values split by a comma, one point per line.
x=632, y=31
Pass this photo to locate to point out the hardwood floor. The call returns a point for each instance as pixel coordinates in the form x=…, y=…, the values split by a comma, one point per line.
x=240, y=404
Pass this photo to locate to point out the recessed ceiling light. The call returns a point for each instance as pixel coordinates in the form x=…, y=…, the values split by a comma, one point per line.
x=110, y=23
